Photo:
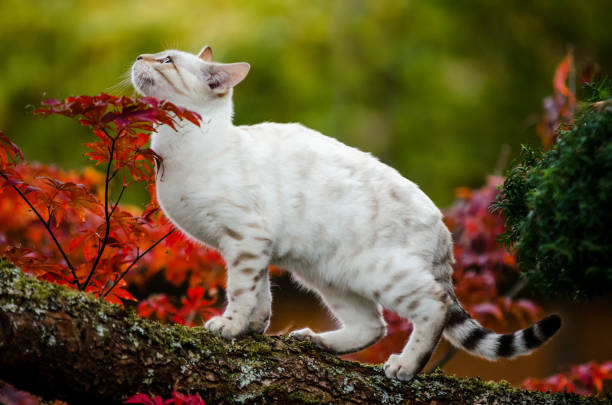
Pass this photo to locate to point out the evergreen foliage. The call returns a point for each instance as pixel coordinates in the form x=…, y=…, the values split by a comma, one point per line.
x=558, y=208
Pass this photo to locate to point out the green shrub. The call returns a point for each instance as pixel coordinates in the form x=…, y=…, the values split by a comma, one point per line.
x=558, y=208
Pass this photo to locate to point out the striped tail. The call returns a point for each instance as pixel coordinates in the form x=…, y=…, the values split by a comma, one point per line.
x=463, y=331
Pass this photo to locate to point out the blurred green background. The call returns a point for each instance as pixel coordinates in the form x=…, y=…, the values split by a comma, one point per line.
x=434, y=88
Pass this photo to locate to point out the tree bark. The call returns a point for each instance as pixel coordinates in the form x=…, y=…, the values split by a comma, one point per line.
x=63, y=344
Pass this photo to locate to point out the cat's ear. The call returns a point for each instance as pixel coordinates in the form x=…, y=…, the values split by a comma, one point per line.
x=206, y=54
x=221, y=77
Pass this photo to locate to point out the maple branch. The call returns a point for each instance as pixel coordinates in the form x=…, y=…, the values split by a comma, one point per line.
x=48, y=228
x=114, y=174
x=63, y=344
x=118, y=200
x=138, y=257
x=107, y=215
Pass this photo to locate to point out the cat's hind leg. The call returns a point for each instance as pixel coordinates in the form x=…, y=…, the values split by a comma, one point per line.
x=427, y=310
x=360, y=318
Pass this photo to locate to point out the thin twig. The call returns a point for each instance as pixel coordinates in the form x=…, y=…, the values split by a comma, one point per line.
x=517, y=287
x=118, y=199
x=502, y=161
x=48, y=227
x=138, y=257
x=114, y=174
x=107, y=216
x=450, y=353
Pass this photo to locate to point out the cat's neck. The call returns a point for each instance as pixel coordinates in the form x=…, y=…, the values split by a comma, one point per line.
x=215, y=130
x=216, y=114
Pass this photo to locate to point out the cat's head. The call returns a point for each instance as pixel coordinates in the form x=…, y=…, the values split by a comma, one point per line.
x=184, y=78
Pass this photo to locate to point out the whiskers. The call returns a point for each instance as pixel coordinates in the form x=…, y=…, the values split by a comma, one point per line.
x=123, y=87
x=171, y=45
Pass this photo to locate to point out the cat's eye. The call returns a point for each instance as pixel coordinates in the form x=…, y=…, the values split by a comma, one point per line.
x=167, y=59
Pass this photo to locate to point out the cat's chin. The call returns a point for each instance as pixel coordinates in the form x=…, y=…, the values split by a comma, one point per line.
x=142, y=82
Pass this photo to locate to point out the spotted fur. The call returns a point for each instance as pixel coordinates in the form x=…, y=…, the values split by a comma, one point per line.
x=344, y=224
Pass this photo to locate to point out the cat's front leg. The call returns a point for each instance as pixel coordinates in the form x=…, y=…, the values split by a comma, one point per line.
x=260, y=318
x=247, y=277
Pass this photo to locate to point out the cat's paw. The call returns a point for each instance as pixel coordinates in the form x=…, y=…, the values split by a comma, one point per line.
x=308, y=334
x=396, y=367
x=260, y=325
x=303, y=334
x=226, y=327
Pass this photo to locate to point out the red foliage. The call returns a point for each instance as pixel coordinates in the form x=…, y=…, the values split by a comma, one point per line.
x=176, y=399
x=78, y=236
x=195, y=308
x=398, y=332
x=10, y=395
x=586, y=379
x=559, y=107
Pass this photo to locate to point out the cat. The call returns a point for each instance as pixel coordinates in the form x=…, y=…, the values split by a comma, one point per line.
x=346, y=226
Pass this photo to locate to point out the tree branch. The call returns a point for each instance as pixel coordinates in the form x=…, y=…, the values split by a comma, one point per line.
x=107, y=215
x=47, y=225
x=123, y=188
x=65, y=344
x=136, y=259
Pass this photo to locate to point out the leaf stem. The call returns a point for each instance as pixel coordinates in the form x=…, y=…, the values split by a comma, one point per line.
x=118, y=199
x=138, y=257
x=47, y=225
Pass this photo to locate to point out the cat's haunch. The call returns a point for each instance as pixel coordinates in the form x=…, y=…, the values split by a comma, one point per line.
x=344, y=224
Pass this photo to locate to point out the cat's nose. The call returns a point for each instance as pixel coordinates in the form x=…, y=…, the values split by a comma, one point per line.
x=139, y=57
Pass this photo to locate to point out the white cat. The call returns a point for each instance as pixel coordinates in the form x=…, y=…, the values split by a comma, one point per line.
x=344, y=224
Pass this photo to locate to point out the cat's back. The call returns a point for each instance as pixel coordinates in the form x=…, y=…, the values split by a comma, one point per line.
x=304, y=155
x=319, y=182
x=297, y=145
x=291, y=137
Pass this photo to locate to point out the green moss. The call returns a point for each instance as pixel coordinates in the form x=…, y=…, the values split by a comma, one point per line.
x=253, y=346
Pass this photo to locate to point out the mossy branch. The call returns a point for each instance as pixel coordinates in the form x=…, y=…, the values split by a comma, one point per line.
x=64, y=344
